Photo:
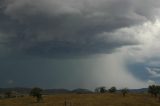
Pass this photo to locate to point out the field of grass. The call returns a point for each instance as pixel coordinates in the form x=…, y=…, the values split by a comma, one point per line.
x=84, y=100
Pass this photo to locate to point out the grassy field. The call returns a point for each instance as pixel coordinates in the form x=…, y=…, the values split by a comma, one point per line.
x=85, y=100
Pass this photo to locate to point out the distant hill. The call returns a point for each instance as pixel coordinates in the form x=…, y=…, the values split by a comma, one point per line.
x=62, y=91
x=56, y=91
x=45, y=91
x=16, y=89
x=27, y=90
x=142, y=90
x=80, y=91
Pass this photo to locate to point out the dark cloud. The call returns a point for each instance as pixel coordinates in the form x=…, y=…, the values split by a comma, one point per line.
x=32, y=29
x=70, y=27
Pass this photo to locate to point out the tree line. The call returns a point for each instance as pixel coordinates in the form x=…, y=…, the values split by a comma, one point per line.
x=113, y=89
x=153, y=90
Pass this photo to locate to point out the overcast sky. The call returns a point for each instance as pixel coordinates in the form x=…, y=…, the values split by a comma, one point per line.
x=79, y=43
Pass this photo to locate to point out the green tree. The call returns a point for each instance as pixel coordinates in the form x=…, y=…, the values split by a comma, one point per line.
x=8, y=94
x=96, y=90
x=36, y=92
x=112, y=89
x=102, y=89
x=154, y=90
x=124, y=91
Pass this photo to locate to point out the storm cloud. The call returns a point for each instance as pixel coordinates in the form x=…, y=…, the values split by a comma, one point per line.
x=100, y=38
x=69, y=27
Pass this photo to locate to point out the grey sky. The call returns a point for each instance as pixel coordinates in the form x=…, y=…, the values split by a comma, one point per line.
x=36, y=34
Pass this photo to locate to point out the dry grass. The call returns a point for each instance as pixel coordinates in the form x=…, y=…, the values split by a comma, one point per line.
x=85, y=100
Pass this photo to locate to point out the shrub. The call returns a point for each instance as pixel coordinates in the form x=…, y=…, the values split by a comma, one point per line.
x=124, y=91
x=36, y=92
x=112, y=89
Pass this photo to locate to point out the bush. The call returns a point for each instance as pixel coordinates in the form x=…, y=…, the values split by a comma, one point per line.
x=124, y=91
x=8, y=94
x=112, y=89
x=101, y=89
x=36, y=92
x=154, y=90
